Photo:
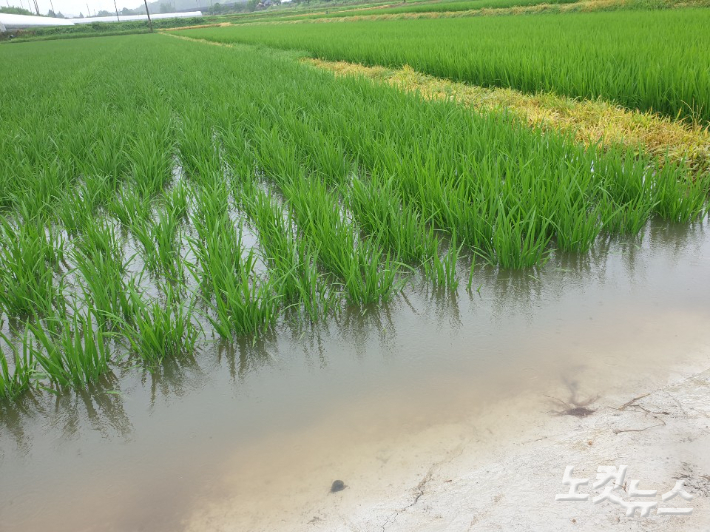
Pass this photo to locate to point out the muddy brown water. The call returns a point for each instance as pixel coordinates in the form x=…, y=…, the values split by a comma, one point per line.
x=264, y=417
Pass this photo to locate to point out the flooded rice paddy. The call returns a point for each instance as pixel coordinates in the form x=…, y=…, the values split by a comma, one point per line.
x=271, y=424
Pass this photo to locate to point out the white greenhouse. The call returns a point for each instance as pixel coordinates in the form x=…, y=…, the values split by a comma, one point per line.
x=26, y=22
x=123, y=18
x=23, y=22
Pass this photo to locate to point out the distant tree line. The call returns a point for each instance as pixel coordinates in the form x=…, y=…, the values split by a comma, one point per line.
x=16, y=11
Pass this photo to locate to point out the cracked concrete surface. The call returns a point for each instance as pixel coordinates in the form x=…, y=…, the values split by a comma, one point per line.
x=512, y=487
x=421, y=488
x=498, y=469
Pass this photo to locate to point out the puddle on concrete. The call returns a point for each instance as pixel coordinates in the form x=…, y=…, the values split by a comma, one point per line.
x=274, y=423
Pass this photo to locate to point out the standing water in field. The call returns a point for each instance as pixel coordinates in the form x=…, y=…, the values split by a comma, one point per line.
x=247, y=437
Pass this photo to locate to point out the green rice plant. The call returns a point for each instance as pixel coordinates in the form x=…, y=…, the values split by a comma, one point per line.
x=151, y=153
x=464, y=206
x=368, y=275
x=29, y=254
x=106, y=156
x=312, y=287
x=74, y=212
x=212, y=208
x=238, y=151
x=197, y=149
x=129, y=207
x=575, y=230
x=160, y=243
x=177, y=200
x=628, y=218
x=471, y=270
x=167, y=242
x=442, y=270
x=99, y=258
x=15, y=381
x=217, y=245
x=378, y=206
x=518, y=240
x=680, y=202
x=240, y=302
x=40, y=187
x=7, y=177
x=71, y=352
x=291, y=261
x=320, y=217
x=77, y=206
x=372, y=277
x=159, y=331
x=300, y=139
x=142, y=232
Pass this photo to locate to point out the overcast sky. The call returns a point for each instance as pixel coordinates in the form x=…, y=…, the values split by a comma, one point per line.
x=72, y=7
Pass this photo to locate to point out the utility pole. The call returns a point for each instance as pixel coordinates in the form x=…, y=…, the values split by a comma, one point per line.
x=37, y=8
x=52, y=4
x=150, y=22
x=116, y=7
x=87, y=9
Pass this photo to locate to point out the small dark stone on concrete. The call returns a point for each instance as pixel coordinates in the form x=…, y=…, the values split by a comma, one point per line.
x=338, y=485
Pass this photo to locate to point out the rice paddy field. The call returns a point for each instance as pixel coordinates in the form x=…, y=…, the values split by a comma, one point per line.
x=638, y=59
x=224, y=243
x=334, y=11
x=380, y=10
